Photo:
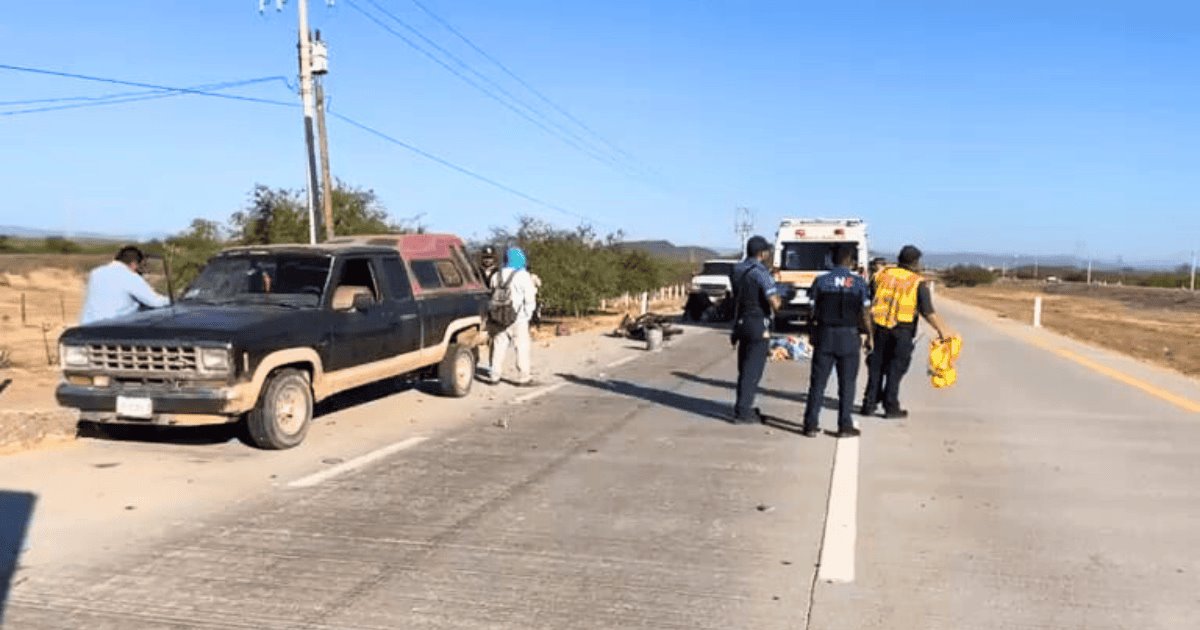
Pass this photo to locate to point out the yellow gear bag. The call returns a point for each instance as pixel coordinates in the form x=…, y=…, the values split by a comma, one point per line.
x=942, y=355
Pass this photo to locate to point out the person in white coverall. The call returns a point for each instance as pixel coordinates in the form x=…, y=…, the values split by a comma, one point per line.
x=524, y=299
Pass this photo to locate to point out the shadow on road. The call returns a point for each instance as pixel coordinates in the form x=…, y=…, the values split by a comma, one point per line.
x=212, y=434
x=696, y=406
x=16, y=512
x=4, y=384
x=796, y=396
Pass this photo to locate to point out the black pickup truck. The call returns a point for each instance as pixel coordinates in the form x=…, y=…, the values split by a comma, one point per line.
x=265, y=332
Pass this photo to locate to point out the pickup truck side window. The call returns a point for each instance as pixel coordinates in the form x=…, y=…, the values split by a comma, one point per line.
x=427, y=274
x=450, y=274
x=397, y=279
x=356, y=277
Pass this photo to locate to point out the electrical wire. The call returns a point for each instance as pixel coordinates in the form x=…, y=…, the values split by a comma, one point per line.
x=464, y=170
x=184, y=90
x=199, y=91
x=560, y=135
x=132, y=97
x=513, y=75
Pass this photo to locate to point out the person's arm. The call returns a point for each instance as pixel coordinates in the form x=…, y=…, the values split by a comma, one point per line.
x=865, y=324
x=925, y=308
x=141, y=291
x=771, y=291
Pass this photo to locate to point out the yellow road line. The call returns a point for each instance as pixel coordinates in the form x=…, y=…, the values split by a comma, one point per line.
x=1117, y=375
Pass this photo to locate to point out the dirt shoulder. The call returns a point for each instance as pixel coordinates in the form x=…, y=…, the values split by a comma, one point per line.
x=1160, y=326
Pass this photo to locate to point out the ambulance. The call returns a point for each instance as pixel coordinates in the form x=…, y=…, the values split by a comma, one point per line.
x=804, y=251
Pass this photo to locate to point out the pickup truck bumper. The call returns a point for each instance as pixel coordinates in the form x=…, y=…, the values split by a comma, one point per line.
x=224, y=401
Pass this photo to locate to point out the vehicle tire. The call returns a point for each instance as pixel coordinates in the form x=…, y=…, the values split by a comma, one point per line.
x=284, y=411
x=456, y=372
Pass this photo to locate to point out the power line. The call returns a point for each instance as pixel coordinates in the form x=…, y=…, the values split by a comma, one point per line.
x=513, y=75
x=84, y=77
x=563, y=135
x=350, y=121
x=132, y=97
x=464, y=170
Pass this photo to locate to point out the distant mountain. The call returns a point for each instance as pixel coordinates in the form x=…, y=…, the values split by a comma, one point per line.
x=23, y=232
x=666, y=249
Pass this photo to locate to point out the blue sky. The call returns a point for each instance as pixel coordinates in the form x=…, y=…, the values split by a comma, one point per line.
x=1040, y=127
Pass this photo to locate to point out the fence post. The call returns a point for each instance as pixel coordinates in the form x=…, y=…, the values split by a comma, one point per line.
x=1037, y=312
x=62, y=308
x=645, y=303
x=24, y=320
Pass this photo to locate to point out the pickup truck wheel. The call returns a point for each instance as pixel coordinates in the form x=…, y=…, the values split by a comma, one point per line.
x=284, y=411
x=456, y=373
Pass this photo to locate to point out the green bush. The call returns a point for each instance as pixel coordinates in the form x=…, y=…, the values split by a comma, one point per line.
x=968, y=276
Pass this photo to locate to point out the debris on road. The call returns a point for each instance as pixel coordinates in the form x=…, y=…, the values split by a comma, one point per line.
x=636, y=328
x=789, y=349
x=766, y=508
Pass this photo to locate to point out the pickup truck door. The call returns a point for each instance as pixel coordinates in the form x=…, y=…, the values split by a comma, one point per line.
x=358, y=337
x=402, y=308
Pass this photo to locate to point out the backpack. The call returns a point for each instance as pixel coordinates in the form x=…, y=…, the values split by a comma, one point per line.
x=501, y=311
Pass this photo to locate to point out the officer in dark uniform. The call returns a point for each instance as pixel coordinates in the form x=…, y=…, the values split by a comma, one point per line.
x=756, y=298
x=487, y=265
x=841, y=314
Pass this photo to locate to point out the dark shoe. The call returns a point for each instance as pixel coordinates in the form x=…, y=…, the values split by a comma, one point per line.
x=870, y=410
x=897, y=414
x=810, y=433
x=754, y=417
x=848, y=433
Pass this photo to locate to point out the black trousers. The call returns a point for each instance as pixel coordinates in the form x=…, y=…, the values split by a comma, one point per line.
x=834, y=348
x=752, y=350
x=887, y=366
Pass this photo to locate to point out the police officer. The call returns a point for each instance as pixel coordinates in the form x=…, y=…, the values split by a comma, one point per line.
x=840, y=301
x=756, y=298
x=901, y=294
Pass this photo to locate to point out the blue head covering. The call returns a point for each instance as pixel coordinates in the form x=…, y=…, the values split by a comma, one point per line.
x=516, y=258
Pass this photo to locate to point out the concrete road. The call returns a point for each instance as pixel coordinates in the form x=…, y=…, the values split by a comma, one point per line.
x=1053, y=487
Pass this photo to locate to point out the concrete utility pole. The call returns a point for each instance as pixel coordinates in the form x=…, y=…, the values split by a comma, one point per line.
x=320, y=69
x=1089, y=276
x=306, y=98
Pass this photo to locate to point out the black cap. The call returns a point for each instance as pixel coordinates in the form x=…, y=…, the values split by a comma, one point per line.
x=909, y=256
x=489, y=251
x=756, y=245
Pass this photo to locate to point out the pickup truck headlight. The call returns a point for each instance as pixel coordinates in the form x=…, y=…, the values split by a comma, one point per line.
x=214, y=360
x=74, y=356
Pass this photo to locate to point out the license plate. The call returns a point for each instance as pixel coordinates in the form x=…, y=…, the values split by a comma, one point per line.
x=142, y=408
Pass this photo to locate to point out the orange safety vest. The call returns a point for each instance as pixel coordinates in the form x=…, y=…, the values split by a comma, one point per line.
x=895, y=297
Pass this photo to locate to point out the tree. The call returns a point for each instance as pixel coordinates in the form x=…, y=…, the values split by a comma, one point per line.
x=280, y=215
x=60, y=245
x=188, y=251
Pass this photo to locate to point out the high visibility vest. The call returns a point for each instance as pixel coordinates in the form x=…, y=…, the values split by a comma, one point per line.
x=895, y=297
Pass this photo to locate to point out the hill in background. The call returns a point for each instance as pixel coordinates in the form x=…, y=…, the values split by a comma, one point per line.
x=669, y=251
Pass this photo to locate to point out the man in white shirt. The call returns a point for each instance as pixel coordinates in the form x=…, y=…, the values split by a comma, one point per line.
x=118, y=289
x=523, y=292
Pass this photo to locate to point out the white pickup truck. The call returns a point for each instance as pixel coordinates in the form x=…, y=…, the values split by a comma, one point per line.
x=804, y=251
x=711, y=290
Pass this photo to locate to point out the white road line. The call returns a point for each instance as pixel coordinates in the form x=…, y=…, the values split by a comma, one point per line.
x=353, y=464
x=620, y=362
x=537, y=393
x=841, y=519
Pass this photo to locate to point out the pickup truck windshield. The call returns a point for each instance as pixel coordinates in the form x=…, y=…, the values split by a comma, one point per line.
x=717, y=269
x=284, y=279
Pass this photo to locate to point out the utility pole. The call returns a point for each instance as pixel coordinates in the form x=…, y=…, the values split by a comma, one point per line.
x=743, y=225
x=320, y=69
x=1089, y=276
x=306, y=98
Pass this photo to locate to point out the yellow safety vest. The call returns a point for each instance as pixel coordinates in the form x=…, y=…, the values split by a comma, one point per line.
x=895, y=297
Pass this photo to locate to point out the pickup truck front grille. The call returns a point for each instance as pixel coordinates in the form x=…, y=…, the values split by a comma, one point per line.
x=142, y=359
x=713, y=288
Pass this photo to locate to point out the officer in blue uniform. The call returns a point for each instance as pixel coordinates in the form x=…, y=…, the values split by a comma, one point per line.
x=756, y=298
x=841, y=313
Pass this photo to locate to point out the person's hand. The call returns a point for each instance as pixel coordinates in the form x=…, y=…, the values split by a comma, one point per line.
x=868, y=343
x=946, y=333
